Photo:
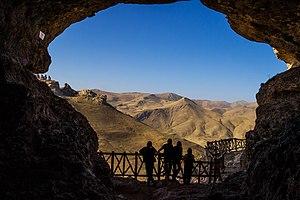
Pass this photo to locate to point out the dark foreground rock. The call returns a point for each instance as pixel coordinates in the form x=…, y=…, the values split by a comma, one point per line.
x=274, y=145
x=274, y=172
x=131, y=189
x=47, y=149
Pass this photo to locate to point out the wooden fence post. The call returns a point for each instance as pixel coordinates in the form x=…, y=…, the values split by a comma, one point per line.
x=159, y=167
x=136, y=165
x=123, y=170
x=210, y=170
x=112, y=163
x=199, y=171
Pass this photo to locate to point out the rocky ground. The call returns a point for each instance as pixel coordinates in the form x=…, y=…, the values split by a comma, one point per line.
x=131, y=189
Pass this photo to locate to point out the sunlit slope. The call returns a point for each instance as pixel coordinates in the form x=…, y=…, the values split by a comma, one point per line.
x=187, y=119
x=240, y=119
x=195, y=120
x=120, y=132
x=134, y=103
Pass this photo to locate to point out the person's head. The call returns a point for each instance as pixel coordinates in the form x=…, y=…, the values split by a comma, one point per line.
x=169, y=141
x=189, y=151
x=149, y=144
x=179, y=144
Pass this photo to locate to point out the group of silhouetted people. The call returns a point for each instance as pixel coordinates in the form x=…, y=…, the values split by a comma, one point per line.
x=172, y=160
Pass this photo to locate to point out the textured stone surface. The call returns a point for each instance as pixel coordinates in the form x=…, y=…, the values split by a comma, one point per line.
x=279, y=102
x=274, y=145
x=274, y=22
x=67, y=90
x=22, y=21
x=47, y=149
x=130, y=189
x=274, y=172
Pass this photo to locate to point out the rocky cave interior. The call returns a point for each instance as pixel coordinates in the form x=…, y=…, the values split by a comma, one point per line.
x=49, y=151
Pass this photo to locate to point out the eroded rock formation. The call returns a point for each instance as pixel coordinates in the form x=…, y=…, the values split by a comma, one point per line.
x=48, y=150
x=273, y=22
x=274, y=145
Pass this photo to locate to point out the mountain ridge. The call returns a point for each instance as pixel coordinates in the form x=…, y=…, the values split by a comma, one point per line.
x=196, y=120
x=168, y=114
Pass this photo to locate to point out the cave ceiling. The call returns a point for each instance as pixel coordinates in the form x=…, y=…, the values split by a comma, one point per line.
x=275, y=22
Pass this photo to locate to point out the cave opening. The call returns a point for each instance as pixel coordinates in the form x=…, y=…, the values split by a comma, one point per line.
x=182, y=47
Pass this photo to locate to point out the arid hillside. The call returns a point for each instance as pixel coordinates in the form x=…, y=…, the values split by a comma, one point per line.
x=120, y=132
x=126, y=121
x=198, y=121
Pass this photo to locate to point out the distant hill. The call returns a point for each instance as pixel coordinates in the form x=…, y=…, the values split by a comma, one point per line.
x=126, y=121
x=120, y=132
x=187, y=119
x=169, y=96
x=198, y=121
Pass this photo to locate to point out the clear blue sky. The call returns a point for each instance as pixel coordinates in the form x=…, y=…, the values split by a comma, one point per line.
x=183, y=48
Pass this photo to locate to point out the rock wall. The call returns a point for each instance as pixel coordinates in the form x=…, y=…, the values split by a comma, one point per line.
x=274, y=22
x=274, y=172
x=274, y=145
x=48, y=150
x=23, y=23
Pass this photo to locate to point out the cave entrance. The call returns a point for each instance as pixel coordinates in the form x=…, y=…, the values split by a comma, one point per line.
x=183, y=48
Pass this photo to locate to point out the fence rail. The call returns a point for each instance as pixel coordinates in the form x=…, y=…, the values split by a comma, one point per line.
x=131, y=165
x=220, y=147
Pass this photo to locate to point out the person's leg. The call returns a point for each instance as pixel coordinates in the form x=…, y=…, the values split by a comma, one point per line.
x=185, y=176
x=170, y=167
x=174, y=170
x=189, y=176
x=167, y=169
x=148, y=173
x=177, y=168
x=151, y=174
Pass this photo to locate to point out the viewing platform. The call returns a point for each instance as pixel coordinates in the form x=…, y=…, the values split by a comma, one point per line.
x=132, y=165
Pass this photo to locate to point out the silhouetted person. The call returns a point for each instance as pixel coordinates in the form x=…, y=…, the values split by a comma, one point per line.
x=188, y=166
x=219, y=165
x=148, y=153
x=177, y=156
x=168, y=156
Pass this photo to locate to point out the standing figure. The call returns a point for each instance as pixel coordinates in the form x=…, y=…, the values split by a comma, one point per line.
x=188, y=166
x=168, y=156
x=148, y=153
x=177, y=156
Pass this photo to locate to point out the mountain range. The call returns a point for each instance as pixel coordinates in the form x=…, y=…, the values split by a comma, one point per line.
x=120, y=132
x=197, y=121
x=126, y=121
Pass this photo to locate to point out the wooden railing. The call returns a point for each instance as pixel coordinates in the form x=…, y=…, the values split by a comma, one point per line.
x=220, y=147
x=131, y=165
